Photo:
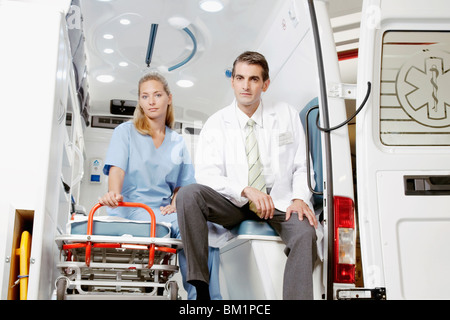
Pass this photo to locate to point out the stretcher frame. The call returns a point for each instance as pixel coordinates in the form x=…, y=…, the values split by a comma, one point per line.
x=117, y=267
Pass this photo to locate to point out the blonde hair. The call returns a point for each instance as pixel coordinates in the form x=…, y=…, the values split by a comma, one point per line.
x=139, y=118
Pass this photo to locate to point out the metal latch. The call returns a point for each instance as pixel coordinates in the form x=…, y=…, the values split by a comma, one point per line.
x=361, y=293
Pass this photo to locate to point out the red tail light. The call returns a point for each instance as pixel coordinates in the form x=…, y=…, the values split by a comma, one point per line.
x=344, y=240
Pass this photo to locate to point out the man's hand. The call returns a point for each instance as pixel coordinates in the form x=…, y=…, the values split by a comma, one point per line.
x=302, y=209
x=264, y=204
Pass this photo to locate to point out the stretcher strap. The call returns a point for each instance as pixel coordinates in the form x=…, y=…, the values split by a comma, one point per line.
x=18, y=280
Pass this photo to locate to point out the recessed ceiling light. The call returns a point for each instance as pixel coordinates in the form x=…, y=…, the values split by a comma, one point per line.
x=211, y=5
x=105, y=78
x=108, y=36
x=179, y=22
x=125, y=21
x=185, y=83
x=108, y=51
x=123, y=64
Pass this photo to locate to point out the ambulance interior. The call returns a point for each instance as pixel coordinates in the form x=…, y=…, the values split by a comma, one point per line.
x=113, y=43
x=217, y=41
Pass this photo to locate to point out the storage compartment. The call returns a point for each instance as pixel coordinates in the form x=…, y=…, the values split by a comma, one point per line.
x=23, y=222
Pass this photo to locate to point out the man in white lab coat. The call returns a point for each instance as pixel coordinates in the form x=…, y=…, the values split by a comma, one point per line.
x=223, y=193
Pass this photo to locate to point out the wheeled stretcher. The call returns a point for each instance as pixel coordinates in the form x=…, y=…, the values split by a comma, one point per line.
x=104, y=266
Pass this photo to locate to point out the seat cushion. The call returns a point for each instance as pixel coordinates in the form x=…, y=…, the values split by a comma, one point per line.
x=253, y=227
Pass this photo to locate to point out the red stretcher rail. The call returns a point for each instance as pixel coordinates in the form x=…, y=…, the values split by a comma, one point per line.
x=90, y=226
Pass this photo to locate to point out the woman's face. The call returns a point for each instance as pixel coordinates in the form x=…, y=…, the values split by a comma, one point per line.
x=154, y=100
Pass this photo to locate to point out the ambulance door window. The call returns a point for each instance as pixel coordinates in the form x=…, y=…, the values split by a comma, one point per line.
x=415, y=89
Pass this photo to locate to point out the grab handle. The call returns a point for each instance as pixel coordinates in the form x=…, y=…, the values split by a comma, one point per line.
x=90, y=227
x=308, y=152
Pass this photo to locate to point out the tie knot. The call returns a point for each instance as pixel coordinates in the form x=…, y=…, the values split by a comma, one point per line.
x=251, y=123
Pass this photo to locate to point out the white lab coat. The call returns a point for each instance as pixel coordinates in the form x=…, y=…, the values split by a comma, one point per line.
x=221, y=163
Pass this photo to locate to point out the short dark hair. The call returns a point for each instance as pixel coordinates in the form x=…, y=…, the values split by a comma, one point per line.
x=252, y=57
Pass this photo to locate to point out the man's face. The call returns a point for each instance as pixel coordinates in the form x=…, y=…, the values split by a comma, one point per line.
x=248, y=85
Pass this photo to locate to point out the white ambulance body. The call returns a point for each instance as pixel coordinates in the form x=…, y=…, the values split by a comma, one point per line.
x=402, y=145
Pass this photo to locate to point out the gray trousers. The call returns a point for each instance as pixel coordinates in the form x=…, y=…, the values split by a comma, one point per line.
x=196, y=204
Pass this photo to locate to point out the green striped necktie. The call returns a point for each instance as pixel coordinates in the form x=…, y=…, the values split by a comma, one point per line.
x=255, y=169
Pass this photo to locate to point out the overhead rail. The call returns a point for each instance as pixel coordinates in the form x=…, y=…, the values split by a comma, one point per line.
x=194, y=50
x=151, y=46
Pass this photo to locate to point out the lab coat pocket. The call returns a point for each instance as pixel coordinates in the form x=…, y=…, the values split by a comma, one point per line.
x=285, y=138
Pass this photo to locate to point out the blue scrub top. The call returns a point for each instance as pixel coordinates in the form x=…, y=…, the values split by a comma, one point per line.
x=151, y=174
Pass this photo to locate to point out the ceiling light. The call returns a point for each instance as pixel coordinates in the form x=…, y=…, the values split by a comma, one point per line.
x=105, y=78
x=125, y=21
x=179, y=22
x=108, y=51
x=108, y=36
x=211, y=5
x=123, y=64
x=185, y=83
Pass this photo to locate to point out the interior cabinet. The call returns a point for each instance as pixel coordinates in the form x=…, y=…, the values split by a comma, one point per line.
x=41, y=140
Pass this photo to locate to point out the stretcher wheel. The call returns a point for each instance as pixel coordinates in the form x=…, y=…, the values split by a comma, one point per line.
x=61, y=287
x=173, y=290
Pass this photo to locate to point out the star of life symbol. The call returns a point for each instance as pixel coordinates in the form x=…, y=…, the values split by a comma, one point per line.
x=423, y=88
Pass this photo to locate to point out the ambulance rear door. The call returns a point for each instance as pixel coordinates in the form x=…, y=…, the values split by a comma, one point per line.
x=403, y=148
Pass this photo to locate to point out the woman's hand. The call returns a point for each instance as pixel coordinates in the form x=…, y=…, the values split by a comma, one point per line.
x=167, y=209
x=115, y=182
x=111, y=199
x=171, y=208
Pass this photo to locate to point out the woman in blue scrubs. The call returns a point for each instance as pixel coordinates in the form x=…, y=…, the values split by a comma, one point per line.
x=147, y=162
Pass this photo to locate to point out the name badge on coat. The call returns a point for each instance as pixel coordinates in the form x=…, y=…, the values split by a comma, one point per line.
x=285, y=138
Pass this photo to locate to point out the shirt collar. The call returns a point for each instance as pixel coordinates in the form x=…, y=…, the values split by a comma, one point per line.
x=243, y=118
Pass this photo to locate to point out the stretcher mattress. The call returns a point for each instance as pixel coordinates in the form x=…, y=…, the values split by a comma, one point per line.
x=116, y=226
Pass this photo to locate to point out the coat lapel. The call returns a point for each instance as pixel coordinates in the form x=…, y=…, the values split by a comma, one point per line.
x=271, y=129
x=235, y=155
